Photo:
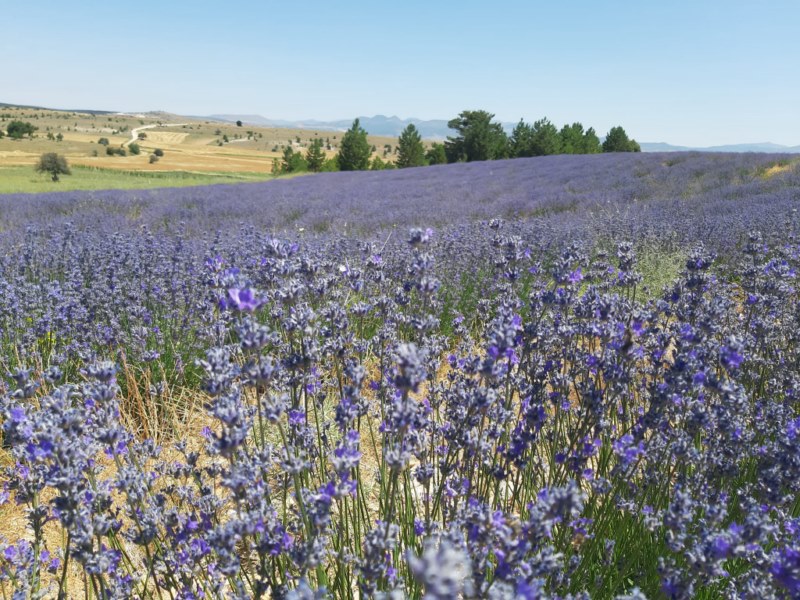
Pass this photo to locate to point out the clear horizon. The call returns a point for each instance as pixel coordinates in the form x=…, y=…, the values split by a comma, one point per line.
x=688, y=74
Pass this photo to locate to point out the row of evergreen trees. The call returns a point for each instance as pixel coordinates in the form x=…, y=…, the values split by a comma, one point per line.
x=478, y=138
x=481, y=138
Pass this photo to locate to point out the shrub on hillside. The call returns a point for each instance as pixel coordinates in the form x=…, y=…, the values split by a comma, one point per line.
x=53, y=164
x=18, y=129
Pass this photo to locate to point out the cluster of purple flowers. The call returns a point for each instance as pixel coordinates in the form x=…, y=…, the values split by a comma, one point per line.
x=494, y=409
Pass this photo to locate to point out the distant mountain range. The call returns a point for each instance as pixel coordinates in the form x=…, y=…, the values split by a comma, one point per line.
x=377, y=125
x=434, y=129
x=437, y=129
x=757, y=147
x=71, y=110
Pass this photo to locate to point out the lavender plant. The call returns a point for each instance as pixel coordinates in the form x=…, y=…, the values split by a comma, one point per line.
x=493, y=408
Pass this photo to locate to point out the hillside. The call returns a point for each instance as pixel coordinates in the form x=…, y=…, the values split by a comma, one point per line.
x=191, y=146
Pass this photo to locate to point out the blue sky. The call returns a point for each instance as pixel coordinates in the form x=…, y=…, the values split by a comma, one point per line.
x=684, y=72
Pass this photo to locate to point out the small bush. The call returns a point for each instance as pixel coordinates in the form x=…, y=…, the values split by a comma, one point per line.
x=103, y=141
x=158, y=152
x=53, y=164
x=19, y=129
x=153, y=158
x=134, y=148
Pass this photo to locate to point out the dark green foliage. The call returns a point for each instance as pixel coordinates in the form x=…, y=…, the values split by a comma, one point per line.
x=292, y=162
x=478, y=138
x=617, y=141
x=544, y=138
x=521, y=142
x=134, y=148
x=238, y=123
x=115, y=151
x=411, y=152
x=60, y=137
x=540, y=139
x=18, y=129
x=158, y=152
x=355, y=150
x=53, y=164
x=436, y=154
x=330, y=165
x=378, y=164
x=315, y=156
x=574, y=140
x=103, y=141
x=591, y=143
x=153, y=159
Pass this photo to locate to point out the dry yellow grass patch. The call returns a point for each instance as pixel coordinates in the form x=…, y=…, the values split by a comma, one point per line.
x=778, y=169
x=15, y=158
x=164, y=137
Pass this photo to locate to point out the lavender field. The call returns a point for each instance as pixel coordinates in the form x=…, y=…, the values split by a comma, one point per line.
x=557, y=377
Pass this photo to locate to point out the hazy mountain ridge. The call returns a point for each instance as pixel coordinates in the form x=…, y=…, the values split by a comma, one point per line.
x=767, y=147
x=437, y=129
x=432, y=129
x=376, y=125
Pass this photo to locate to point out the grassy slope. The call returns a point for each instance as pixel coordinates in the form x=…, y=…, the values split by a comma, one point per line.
x=25, y=180
x=190, y=145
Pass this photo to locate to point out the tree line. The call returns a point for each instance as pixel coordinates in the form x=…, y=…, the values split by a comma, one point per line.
x=478, y=137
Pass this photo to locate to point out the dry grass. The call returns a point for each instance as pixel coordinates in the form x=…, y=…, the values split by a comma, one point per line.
x=180, y=415
x=779, y=168
x=191, y=147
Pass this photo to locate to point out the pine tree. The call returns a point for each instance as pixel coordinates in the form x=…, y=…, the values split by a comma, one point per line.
x=355, y=150
x=436, y=154
x=479, y=138
x=292, y=161
x=591, y=143
x=315, y=156
x=545, y=138
x=617, y=141
x=521, y=142
x=411, y=152
x=572, y=139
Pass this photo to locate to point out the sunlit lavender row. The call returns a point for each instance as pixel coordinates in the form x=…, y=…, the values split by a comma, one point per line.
x=562, y=377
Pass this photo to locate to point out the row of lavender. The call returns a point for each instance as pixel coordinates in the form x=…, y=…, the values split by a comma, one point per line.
x=86, y=274
x=365, y=434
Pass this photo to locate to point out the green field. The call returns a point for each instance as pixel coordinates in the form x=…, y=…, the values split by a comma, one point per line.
x=25, y=180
